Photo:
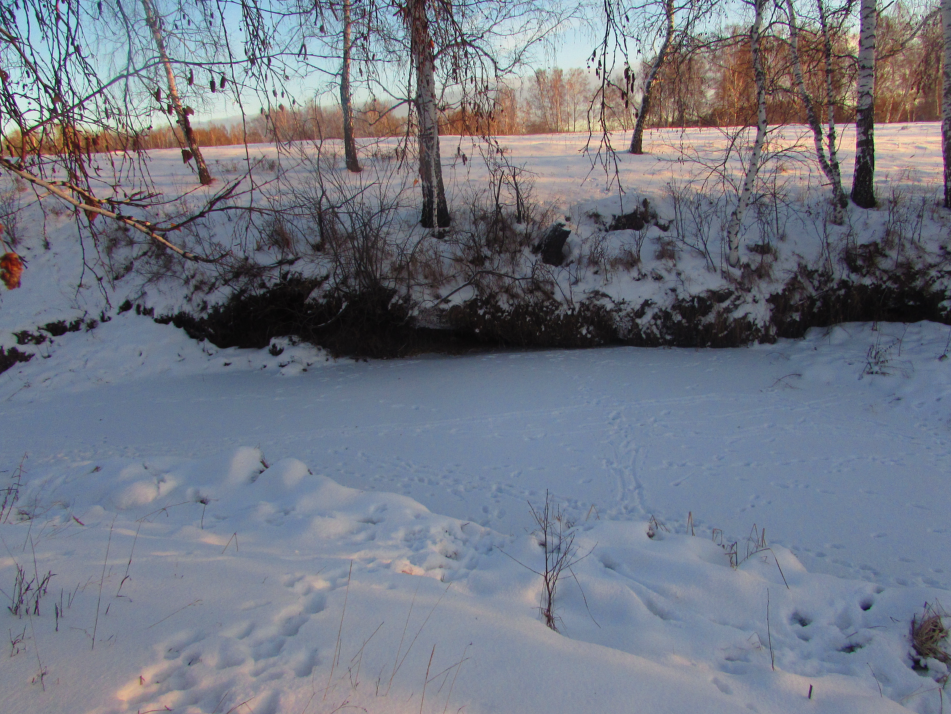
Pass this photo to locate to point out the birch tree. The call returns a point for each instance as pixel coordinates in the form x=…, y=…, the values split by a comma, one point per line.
x=946, y=100
x=752, y=169
x=435, y=210
x=71, y=79
x=828, y=162
x=657, y=31
x=463, y=50
x=346, y=101
x=193, y=152
x=829, y=67
x=637, y=140
x=863, y=189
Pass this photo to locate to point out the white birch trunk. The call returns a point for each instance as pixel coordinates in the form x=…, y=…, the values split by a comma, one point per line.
x=863, y=189
x=435, y=211
x=349, y=144
x=812, y=118
x=194, y=152
x=637, y=141
x=749, y=181
x=946, y=101
x=830, y=107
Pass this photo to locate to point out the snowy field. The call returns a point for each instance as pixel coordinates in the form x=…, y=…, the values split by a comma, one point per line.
x=237, y=531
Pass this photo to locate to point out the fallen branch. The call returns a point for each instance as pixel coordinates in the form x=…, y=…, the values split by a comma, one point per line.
x=92, y=206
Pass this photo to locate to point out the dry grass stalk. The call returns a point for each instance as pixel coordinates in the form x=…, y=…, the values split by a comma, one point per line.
x=11, y=494
x=928, y=634
x=654, y=527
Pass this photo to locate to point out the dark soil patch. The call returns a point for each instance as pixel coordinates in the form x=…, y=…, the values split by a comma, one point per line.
x=540, y=323
x=379, y=325
x=373, y=324
x=698, y=321
x=810, y=300
x=12, y=356
x=552, y=245
x=52, y=329
x=641, y=217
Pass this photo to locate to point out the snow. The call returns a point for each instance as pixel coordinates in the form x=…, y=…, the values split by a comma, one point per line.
x=242, y=531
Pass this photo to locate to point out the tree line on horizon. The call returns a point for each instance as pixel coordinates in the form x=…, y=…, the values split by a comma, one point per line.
x=80, y=77
x=710, y=86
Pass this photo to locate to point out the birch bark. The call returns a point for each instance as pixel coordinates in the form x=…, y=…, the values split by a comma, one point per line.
x=749, y=181
x=863, y=189
x=946, y=101
x=830, y=102
x=346, y=103
x=435, y=212
x=830, y=164
x=638, y=139
x=194, y=151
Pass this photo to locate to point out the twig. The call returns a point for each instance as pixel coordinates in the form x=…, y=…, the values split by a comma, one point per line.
x=769, y=636
x=583, y=596
x=92, y=205
x=785, y=376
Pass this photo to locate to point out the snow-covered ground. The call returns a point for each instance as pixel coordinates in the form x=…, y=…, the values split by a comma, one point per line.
x=239, y=531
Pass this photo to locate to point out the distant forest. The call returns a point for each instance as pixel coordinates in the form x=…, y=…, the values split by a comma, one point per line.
x=704, y=86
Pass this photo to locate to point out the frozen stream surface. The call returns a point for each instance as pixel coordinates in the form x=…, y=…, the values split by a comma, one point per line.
x=849, y=471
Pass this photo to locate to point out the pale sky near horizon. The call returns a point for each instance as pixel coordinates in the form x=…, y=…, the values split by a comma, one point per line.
x=570, y=49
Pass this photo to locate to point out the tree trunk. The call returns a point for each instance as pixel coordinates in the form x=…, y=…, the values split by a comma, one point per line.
x=193, y=152
x=829, y=168
x=946, y=101
x=863, y=189
x=349, y=145
x=637, y=141
x=435, y=211
x=759, y=77
x=830, y=106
